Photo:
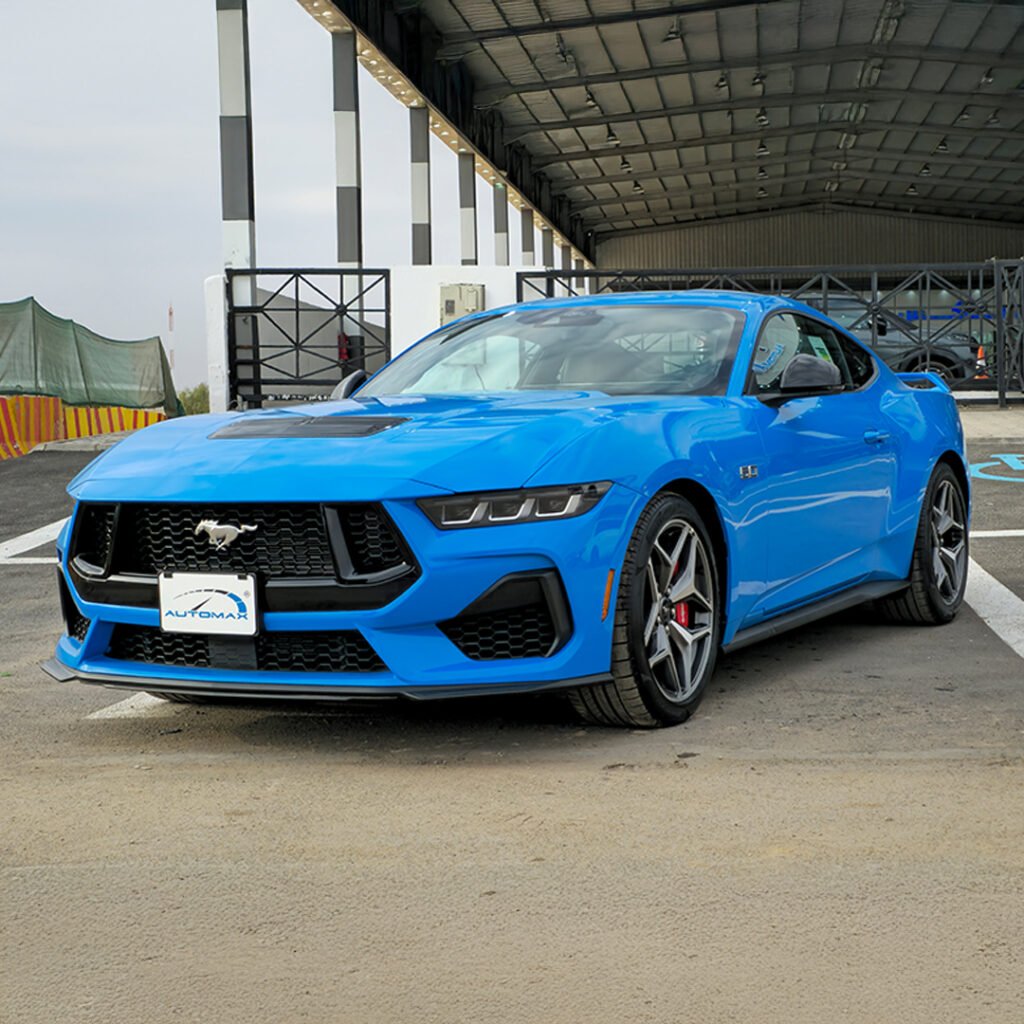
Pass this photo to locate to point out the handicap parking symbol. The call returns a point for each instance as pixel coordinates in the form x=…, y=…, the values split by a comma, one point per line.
x=1000, y=468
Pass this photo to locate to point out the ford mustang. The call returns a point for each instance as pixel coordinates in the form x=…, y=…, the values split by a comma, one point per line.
x=592, y=494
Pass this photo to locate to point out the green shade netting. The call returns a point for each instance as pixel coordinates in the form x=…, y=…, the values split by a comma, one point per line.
x=41, y=354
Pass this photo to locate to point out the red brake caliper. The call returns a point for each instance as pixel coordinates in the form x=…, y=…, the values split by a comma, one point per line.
x=683, y=614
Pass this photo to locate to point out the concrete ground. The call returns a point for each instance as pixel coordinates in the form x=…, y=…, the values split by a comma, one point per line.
x=836, y=836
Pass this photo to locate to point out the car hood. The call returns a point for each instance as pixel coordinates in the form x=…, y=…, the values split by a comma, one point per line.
x=398, y=446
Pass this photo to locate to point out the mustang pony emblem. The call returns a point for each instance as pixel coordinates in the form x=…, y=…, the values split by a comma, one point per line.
x=221, y=534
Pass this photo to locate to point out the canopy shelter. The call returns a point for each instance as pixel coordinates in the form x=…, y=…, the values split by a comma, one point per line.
x=45, y=355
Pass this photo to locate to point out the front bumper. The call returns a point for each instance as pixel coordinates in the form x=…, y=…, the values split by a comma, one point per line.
x=419, y=660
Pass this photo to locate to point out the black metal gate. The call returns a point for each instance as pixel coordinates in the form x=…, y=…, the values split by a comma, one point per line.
x=964, y=320
x=293, y=334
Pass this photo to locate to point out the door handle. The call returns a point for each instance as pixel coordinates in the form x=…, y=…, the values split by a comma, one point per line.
x=875, y=437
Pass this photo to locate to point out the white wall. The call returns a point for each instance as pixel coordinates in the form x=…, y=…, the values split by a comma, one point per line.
x=416, y=296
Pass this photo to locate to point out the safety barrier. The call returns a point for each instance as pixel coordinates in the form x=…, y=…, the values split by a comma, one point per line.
x=30, y=420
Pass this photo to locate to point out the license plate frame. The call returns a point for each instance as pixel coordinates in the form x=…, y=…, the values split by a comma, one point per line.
x=229, y=607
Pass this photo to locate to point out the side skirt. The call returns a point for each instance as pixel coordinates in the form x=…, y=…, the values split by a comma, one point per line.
x=809, y=613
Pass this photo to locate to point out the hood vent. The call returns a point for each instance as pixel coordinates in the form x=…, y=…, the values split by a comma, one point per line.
x=308, y=426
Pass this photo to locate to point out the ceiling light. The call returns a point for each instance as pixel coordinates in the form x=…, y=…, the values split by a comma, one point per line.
x=675, y=31
x=762, y=149
x=911, y=190
x=762, y=192
x=964, y=115
x=638, y=188
x=762, y=118
x=723, y=81
x=943, y=146
x=758, y=79
x=987, y=79
x=611, y=138
x=847, y=140
x=993, y=121
x=591, y=102
x=831, y=185
x=762, y=173
x=625, y=165
x=925, y=171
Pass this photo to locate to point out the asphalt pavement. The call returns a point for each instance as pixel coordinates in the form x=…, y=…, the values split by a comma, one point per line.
x=836, y=835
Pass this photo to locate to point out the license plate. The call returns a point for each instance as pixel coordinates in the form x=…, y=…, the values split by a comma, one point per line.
x=207, y=602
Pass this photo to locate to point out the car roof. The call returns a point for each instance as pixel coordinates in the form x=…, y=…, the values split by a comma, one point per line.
x=742, y=301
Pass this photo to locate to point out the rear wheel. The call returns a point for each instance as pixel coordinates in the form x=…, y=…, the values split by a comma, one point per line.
x=666, y=630
x=938, y=569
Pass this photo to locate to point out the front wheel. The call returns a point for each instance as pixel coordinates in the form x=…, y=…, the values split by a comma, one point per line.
x=667, y=623
x=938, y=568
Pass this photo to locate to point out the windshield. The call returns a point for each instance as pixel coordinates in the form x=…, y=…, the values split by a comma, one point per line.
x=634, y=349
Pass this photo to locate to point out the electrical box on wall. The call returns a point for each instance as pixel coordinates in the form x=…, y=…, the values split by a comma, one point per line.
x=460, y=300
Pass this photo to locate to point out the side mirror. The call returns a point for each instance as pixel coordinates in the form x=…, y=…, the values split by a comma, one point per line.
x=348, y=384
x=807, y=374
x=881, y=327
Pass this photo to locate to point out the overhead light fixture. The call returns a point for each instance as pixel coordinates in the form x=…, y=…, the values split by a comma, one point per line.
x=964, y=115
x=762, y=173
x=675, y=31
x=625, y=165
x=993, y=121
x=762, y=192
x=986, y=78
x=943, y=146
x=638, y=188
x=758, y=79
x=847, y=140
x=911, y=190
x=925, y=171
x=723, y=81
x=611, y=138
x=831, y=185
x=762, y=149
x=839, y=166
x=590, y=101
x=762, y=118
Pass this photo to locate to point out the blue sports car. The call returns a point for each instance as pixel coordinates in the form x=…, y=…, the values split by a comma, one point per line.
x=591, y=494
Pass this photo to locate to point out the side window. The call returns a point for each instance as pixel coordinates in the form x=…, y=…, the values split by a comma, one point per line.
x=780, y=340
x=823, y=343
x=862, y=366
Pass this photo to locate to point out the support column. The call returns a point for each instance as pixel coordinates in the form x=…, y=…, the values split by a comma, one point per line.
x=500, y=224
x=419, y=150
x=547, y=247
x=349, y=203
x=467, y=208
x=529, y=253
x=578, y=266
x=236, y=190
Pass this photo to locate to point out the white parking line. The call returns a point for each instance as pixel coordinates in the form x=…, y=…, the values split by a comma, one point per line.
x=29, y=542
x=999, y=607
x=138, y=705
x=996, y=533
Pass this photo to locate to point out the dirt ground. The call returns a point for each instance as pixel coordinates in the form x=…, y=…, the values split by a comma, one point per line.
x=838, y=835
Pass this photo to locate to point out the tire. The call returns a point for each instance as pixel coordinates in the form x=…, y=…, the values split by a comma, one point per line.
x=943, y=369
x=938, y=567
x=650, y=619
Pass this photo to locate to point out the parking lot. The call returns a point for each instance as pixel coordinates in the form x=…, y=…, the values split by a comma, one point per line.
x=843, y=817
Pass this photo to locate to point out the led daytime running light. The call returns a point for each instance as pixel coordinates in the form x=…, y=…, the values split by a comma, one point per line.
x=503, y=508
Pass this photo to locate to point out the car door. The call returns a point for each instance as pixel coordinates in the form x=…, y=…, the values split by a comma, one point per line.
x=828, y=469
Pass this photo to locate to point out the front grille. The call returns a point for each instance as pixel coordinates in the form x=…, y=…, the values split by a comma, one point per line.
x=319, y=651
x=94, y=533
x=523, y=632
x=288, y=540
x=75, y=623
x=372, y=542
x=78, y=625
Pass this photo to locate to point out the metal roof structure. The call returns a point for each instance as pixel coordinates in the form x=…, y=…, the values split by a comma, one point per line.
x=626, y=115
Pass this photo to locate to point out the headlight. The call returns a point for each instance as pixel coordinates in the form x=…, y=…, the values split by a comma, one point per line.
x=501, y=508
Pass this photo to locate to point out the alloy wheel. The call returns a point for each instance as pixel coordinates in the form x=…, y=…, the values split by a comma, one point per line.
x=949, y=540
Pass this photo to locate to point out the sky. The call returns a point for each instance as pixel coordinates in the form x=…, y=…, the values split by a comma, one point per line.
x=110, y=174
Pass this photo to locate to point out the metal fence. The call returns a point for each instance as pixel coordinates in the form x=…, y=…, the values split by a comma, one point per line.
x=293, y=334
x=965, y=321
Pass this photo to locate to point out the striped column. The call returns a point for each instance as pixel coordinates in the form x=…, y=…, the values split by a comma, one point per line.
x=529, y=253
x=347, y=161
x=237, y=205
x=467, y=208
x=500, y=224
x=547, y=247
x=419, y=155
